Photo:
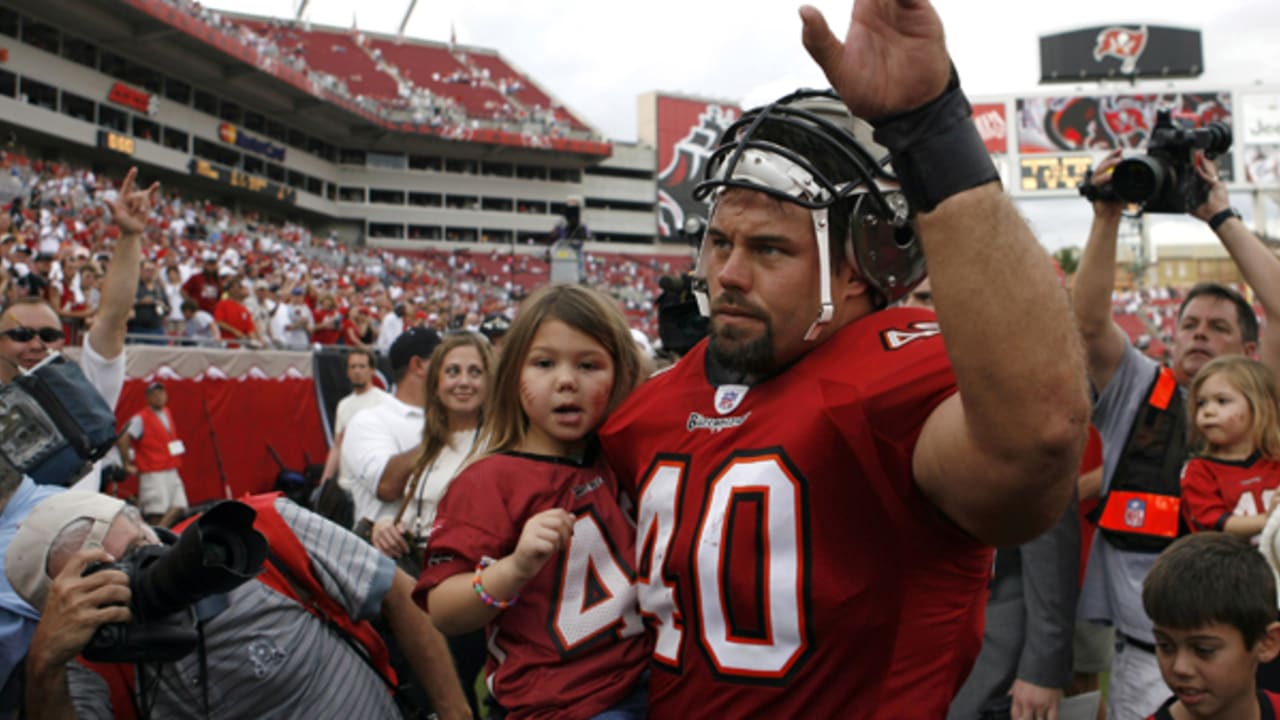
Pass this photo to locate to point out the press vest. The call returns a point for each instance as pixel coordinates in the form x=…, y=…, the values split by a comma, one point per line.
x=1141, y=512
x=151, y=451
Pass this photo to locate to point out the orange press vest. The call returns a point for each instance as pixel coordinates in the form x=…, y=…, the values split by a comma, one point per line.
x=151, y=451
x=1141, y=511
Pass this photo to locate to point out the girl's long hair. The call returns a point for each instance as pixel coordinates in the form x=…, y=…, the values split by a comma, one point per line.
x=587, y=311
x=435, y=428
x=1258, y=385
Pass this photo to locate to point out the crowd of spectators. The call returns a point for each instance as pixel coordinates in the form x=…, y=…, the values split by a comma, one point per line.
x=279, y=43
x=214, y=277
x=57, y=243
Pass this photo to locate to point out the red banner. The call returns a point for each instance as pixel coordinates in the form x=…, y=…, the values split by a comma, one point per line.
x=233, y=421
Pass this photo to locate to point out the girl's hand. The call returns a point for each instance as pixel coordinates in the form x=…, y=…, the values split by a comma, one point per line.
x=544, y=535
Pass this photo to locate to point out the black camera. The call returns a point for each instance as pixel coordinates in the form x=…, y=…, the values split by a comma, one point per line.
x=680, y=324
x=53, y=423
x=1165, y=179
x=215, y=554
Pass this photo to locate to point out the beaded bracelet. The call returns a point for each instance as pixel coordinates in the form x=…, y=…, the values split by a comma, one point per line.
x=485, y=597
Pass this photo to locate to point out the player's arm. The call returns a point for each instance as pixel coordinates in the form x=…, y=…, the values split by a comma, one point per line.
x=1104, y=341
x=1000, y=456
x=129, y=212
x=425, y=649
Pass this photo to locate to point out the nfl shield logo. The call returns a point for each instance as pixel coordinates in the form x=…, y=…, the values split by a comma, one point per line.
x=729, y=397
x=1135, y=513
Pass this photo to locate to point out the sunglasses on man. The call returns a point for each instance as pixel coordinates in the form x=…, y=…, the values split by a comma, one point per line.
x=26, y=334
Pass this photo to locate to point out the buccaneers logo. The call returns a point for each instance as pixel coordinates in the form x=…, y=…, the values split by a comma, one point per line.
x=1124, y=44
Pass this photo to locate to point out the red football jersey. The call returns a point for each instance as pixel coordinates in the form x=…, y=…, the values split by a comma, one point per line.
x=573, y=645
x=1214, y=490
x=788, y=565
x=1268, y=707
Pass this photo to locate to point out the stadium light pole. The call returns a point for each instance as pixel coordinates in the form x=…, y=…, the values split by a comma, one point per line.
x=404, y=22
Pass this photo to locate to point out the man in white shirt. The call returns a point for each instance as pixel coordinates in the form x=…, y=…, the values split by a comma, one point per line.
x=364, y=394
x=292, y=323
x=384, y=439
x=389, y=328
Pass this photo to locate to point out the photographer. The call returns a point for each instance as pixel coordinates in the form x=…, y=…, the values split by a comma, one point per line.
x=1214, y=320
x=29, y=331
x=261, y=652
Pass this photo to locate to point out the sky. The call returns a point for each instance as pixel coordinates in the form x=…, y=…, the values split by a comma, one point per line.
x=598, y=57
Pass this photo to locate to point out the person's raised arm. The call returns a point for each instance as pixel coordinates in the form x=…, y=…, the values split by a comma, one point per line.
x=1104, y=341
x=129, y=212
x=1258, y=265
x=1000, y=456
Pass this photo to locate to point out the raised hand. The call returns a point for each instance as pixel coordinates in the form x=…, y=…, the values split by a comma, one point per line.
x=1102, y=175
x=1216, y=200
x=130, y=209
x=893, y=58
x=544, y=535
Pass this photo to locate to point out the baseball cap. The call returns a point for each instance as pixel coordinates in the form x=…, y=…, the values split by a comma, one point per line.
x=412, y=343
x=495, y=326
x=209, y=256
x=26, y=562
x=156, y=385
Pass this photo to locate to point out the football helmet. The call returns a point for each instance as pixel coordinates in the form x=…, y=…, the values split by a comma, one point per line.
x=841, y=170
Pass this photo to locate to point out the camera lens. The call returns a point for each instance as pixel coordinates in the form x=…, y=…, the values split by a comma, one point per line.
x=1219, y=138
x=1138, y=179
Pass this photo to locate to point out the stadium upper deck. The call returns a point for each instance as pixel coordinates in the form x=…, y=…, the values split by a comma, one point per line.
x=396, y=142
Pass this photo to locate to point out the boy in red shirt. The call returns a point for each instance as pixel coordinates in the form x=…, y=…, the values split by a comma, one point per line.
x=1212, y=598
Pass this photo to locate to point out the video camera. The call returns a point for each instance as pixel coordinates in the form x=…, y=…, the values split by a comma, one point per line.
x=53, y=423
x=680, y=324
x=216, y=554
x=1165, y=179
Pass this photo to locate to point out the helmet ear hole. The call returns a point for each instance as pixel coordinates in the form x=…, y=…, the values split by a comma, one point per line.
x=904, y=236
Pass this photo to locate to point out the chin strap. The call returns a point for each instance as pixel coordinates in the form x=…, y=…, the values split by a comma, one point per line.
x=821, y=231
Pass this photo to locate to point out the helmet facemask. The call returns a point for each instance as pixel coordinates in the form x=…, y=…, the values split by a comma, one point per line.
x=880, y=242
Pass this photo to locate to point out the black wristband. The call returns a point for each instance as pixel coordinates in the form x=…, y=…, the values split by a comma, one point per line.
x=936, y=149
x=1223, y=216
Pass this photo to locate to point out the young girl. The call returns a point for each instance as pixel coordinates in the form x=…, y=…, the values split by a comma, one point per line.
x=530, y=538
x=1229, y=484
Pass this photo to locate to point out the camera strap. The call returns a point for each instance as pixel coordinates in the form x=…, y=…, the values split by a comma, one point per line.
x=307, y=600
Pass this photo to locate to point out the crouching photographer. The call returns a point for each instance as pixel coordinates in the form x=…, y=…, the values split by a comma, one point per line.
x=259, y=608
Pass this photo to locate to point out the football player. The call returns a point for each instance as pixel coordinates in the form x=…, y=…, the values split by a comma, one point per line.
x=818, y=482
